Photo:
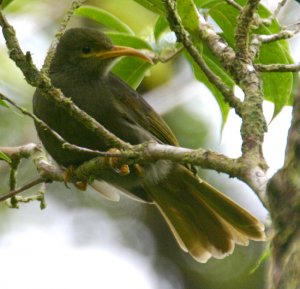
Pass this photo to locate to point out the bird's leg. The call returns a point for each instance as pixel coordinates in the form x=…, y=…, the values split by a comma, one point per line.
x=114, y=163
x=81, y=185
x=123, y=169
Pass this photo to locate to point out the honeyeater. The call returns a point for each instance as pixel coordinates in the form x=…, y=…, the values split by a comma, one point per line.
x=204, y=221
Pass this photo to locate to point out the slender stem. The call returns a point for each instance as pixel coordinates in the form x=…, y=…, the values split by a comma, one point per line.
x=235, y=5
x=243, y=29
x=75, y=4
x=183, y=36
x=24, y=151
x=21, y=189
x=284, y=34
x=279, y=7
x=64, y=144
x=278, y=67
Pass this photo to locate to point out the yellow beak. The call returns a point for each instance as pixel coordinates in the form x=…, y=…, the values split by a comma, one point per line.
x=117, y=51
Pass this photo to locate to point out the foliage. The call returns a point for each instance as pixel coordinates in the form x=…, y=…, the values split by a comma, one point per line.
x=4, y=157
x=278, y=87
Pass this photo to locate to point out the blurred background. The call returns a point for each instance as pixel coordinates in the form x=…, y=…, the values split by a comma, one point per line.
x=81, y=240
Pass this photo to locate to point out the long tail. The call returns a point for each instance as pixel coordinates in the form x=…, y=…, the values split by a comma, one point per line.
x=203, y=220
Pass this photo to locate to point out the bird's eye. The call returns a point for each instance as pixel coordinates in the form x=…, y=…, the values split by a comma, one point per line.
x=86, y=49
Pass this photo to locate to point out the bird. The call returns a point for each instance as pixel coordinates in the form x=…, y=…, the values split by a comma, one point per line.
x=204, y=221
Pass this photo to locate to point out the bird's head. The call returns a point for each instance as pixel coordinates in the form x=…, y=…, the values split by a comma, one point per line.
x=88, y=50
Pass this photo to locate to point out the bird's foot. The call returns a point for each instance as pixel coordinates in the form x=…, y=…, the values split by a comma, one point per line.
x=114, y=163
x=81, y=185
x=68, y=175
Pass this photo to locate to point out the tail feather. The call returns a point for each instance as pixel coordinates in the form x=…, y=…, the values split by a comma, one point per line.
x=204, y=221
x=106, y=190
x=234, y=214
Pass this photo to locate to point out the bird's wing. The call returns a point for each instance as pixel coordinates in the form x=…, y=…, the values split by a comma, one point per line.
x=142, y=114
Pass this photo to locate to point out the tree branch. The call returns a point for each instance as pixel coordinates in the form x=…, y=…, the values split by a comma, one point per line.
x=183, y=36
x=20, y=152
x=138, y=154
x=151, y=152
x=47, y=171
x=284, y=203
x=279, y=7
x=27, y=186
x=253, y=121
x=75, y=4
x=284, y=34
x=242, y=33
x=64, y=144
x=277, y=67
x=242, y=69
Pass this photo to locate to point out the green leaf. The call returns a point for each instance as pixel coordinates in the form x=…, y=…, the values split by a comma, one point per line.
x=102, y=16
x=160, y=26
x=189, y=15
x=5, y=157
x=5, y=3
x=204, y=4
x=190, y=20
x=277, y=87
x=201, y=76
x=128, y=40
x=226, y=17
x=4, y=103
x=265, y=255
x=156, y=6
x=132, y=70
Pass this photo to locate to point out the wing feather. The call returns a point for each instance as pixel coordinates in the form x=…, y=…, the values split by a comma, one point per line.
x=136, y=110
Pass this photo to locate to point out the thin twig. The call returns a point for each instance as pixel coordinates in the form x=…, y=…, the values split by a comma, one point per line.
x=13, y=178
x=268, y=21
x=279, y=7
x=21, y=189
x=183, y=36
x=235, y=5
x=170, y=56
x=24, y=151
x=284, y=34
x=259, y=39
x=242, y=32
x=64, y=144
x=75, y=5
x=277, y=67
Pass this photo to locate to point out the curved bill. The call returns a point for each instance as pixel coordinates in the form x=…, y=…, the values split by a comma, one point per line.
x=118, y=51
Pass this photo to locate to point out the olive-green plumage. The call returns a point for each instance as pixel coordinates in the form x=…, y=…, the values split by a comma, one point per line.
x=203, y=220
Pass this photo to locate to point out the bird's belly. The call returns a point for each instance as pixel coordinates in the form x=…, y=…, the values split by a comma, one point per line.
x=75, y=133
